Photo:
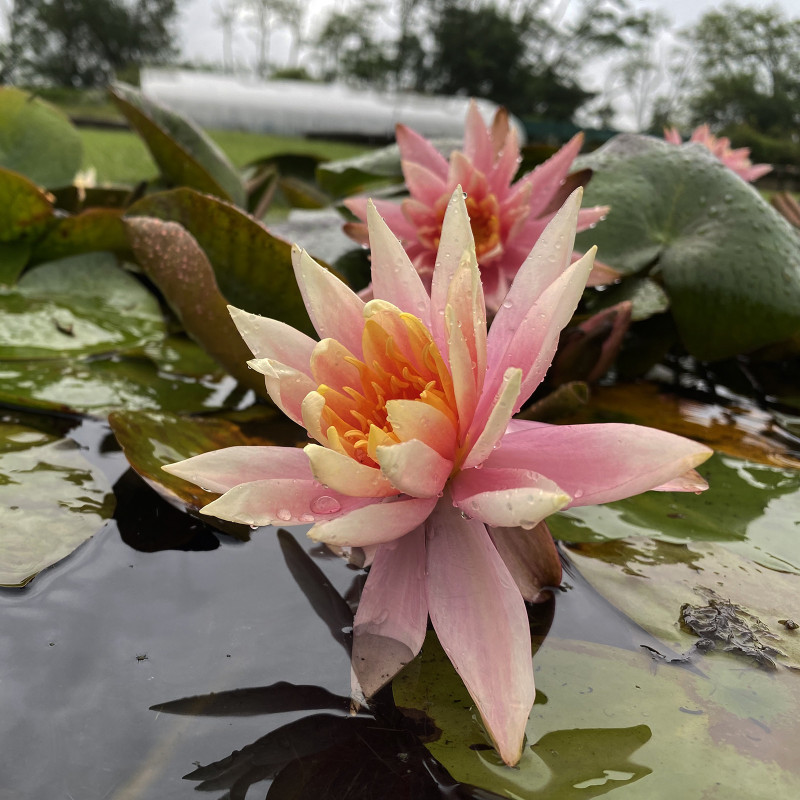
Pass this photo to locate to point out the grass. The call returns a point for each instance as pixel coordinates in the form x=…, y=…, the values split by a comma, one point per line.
x=120, y=156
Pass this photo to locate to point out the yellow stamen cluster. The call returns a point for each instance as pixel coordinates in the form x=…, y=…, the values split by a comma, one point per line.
x=400, y=362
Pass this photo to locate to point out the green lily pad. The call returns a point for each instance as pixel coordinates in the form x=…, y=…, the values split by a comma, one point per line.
x=252, y=266
x=25, y=210
x=645, y=295
x=97, y=386
x=98, y=229
x=184, y=154
x=650, y=581
x=37, y=140
x=174, y=261
x=606, y=720
x=79, y=306
x=13, y=258
x=751, y=507
x=152, y=439
x=357, y=174
x=53, y=500
x=729, y=262
x=319, y=232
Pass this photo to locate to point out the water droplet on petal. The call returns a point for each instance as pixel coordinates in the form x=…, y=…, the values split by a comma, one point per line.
x=324, y=504
x=577, y=494
x=283, y=514
x=306, y=518
x=254, y=527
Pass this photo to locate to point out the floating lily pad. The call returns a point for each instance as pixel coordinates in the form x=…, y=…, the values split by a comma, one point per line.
x=25, y=210
x=53, y=500
x=97, y=386
x=729, y=262
x=98, y=229
x=751, y=507
x=252, y=266
x=319, y=232
x=78, y=306
x=652, y=581
x=152, y=439
x=184, y=154
x=606, y=719
x=37, y=140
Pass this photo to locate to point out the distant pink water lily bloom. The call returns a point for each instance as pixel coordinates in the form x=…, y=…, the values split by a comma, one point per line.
x=507, y=218
x=737, y=160
x=417, y=458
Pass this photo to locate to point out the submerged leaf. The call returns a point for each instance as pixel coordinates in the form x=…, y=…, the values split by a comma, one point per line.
x=53, y=500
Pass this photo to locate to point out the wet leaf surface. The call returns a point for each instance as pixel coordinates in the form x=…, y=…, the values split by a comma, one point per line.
x=751, y=507
x=729, y=263
x=653, y=581
x=252, y=267
x=607, y=720
x=37, y=140
x=13, y=258
x=184, y=154
x=80, y=306
x=53, y=500
x=353, y=175
x=174, y=261
x=98, y=386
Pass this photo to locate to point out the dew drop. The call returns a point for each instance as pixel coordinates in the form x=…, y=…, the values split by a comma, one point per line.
x=284, y=514
x=254, y=527
x=578, y=493
x=325, y=504
x=306, y=518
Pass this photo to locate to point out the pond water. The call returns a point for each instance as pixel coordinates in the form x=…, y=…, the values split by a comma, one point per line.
x=158, y=610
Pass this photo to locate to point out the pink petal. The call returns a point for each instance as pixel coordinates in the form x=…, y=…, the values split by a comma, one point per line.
x=220, y=470
x=311, y=411
x=599, y=463
x=532, y=345
x=346, y=475
x=423, y=184
x=268, y=338
x=335, y=310
x=506, y=166
x=392, y=615
x=690, y=481
x=478, y=147
x=377, y=523
x=413, y=419
x=465, y=323
x=601, y=274
x=286, y=386
x=331, y=365
x=507, y=497
x=393, y=275
x=456, y=239
x=281, y=501
x=490, y=427
x=480, y=619
x=531, y=557
x=414, y=468
x=549, y=258
x=755, y=172
x=417, y=149
x=587, y=217
x=548, y=177
x=672, y=136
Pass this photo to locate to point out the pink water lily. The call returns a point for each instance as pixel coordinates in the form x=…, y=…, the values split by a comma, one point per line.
x=418, y=461
x=737, y=160
x=506, y=218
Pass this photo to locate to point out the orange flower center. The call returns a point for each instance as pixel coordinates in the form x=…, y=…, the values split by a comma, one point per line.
x=400, y=362
x=484, y=217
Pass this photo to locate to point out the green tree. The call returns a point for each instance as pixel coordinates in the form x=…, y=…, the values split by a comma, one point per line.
x=87, y=42
x=747, y=70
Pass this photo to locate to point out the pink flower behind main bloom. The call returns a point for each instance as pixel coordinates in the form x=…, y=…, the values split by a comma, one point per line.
x=418, y=461
x=507, y=218
x=737, y=160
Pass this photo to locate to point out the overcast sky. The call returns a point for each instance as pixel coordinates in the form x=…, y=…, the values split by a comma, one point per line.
x=201, y=39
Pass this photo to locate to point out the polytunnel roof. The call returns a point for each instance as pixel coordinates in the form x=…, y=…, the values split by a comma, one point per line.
x=303, y=108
